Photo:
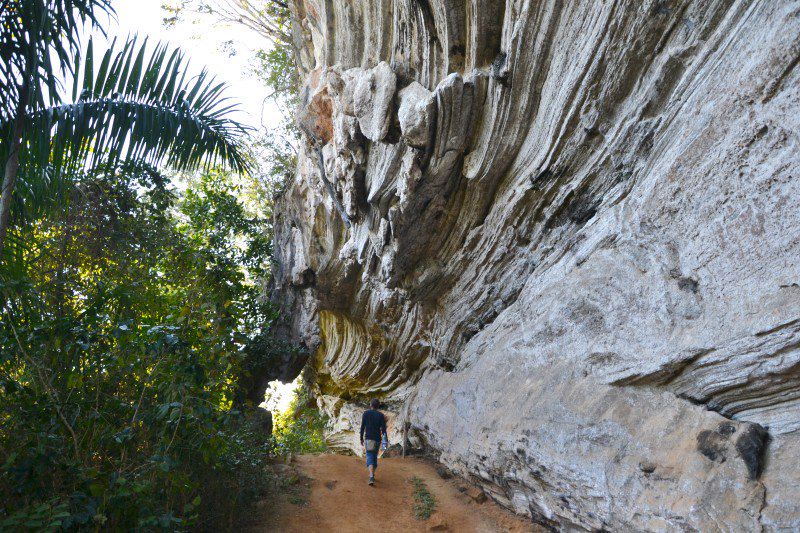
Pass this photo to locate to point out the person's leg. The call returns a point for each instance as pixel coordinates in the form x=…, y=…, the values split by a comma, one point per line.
x=372, y=462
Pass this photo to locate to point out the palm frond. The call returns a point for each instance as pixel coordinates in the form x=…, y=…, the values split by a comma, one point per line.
x=136, y=106
x=130, y=105
x=37, y=42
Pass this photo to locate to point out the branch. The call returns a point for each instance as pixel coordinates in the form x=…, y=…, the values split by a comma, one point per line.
x=48, y=388
x=177, y=425
x=245, y=13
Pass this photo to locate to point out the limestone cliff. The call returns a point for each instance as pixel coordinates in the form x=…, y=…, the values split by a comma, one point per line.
x=561, y=240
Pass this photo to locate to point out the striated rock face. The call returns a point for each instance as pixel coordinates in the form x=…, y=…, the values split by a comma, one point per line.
x=560, y=240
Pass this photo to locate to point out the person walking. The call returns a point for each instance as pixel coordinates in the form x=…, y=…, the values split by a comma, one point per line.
x=373, y=434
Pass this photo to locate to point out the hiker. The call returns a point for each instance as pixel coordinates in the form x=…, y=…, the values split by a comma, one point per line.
x=373, y=434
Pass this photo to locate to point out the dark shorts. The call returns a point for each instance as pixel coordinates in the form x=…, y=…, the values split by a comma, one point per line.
x=372, y=459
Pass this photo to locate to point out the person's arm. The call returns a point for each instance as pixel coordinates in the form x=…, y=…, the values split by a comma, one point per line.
x=384, y=433
x=361, y=433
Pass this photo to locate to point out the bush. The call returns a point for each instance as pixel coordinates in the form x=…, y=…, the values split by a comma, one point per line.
x=125, y=322
x=136, y=439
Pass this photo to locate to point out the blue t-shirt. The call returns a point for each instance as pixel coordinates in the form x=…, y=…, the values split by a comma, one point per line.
x=373, y=425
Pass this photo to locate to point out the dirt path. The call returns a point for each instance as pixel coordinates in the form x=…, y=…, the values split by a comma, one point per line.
x=336, y=498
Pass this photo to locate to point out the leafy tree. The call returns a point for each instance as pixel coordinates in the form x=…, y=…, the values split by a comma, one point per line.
x=128, y=106
x=300, y=428
x=134, y=336
x=274, y=65
x=276, y=69
x=125, y=336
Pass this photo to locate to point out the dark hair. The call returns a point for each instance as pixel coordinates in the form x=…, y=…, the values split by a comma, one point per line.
x=374, y=403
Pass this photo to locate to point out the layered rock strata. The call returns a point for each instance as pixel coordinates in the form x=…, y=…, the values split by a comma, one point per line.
x=560, y=240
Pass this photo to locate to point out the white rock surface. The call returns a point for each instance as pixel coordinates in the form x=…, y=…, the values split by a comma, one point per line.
x=373, y=101
x=583, y=293
x=415, y=114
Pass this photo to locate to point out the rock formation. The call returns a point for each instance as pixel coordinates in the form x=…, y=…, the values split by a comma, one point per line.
x=561, y=241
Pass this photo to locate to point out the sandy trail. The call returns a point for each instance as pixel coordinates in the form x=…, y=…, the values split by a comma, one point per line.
x=338, y=499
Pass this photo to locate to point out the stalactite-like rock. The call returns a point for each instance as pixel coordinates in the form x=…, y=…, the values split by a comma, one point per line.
x=572, y=265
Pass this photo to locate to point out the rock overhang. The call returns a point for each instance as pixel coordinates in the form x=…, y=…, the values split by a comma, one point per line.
x=602, y=205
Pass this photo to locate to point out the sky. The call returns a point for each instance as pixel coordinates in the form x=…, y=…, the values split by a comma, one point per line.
x=205, y=43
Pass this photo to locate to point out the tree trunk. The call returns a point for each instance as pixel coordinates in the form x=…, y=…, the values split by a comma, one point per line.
x=12, y=164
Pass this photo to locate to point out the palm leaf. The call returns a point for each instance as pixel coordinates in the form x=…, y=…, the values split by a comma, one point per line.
x=38, y=39
x=138, y=107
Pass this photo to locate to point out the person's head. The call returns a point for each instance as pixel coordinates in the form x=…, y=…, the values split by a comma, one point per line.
x=374, y=403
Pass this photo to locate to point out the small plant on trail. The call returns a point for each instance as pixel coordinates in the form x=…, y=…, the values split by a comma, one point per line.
x=424, y=502
x=293, y=484
x=297, y=500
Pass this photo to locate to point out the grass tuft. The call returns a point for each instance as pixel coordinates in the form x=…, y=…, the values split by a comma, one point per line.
x=424, y=502
x=295, y=486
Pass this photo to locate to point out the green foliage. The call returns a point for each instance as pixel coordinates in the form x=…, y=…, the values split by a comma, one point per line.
x=299, y=429
x=276, y=149
x=424, y=502
x=38, y=39
x=132, y=311
x=136, y=106
x=47, y=516
x=125, y=321
x=277, y=145
x=276, y=68
x=127, y=105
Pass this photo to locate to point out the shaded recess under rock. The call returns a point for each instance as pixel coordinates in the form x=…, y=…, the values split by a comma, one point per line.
x=560, y=243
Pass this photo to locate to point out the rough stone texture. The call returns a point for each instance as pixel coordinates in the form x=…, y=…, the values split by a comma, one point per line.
x=373, y=99
x=582, y=291
x=415, y=114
